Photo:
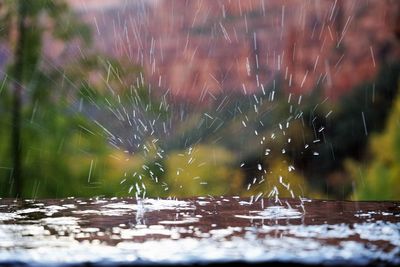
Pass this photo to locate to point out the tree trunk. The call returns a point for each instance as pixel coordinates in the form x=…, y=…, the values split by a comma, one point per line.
x=17, y=96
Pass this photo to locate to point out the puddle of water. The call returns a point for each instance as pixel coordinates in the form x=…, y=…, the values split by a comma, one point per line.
x=273, y=212
x=202, y=230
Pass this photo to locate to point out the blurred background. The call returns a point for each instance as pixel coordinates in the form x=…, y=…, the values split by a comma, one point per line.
x=159, y=98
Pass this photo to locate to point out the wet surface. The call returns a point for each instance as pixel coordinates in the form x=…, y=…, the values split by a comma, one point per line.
x=197, y=231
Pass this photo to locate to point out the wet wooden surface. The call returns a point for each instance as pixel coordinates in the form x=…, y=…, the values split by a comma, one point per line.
x=217, y=230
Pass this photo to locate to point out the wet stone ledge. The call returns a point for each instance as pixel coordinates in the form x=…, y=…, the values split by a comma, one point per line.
x=198, y=231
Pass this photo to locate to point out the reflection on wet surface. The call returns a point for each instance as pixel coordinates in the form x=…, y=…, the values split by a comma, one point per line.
x=200, y=230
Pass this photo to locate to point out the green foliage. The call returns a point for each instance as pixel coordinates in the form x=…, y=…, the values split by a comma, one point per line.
x=354, y=118
x=62, y=156
x=379, y=179
x=63, y=153
x=282, y=176
x=202, y=170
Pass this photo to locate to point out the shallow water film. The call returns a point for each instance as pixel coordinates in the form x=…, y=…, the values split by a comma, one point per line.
x=197, y=231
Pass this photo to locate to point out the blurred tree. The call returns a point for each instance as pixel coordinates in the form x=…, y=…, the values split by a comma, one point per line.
x=280, y=180
x=25, y=24
x=346, y=130
x=18, y=74
x=55, y=151
x=379, y=177
x=202, y=170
